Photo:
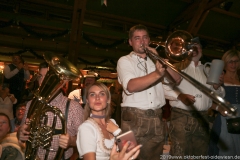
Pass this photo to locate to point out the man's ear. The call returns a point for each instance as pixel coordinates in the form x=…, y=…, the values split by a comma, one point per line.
x=130, y=42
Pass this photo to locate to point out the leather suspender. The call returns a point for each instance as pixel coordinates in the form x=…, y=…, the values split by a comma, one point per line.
x=66, y=119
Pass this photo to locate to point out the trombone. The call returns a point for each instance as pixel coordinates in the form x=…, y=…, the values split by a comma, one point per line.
x=184, y=46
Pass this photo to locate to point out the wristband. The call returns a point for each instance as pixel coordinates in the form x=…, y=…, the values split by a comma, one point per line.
x=117, y=132
x=216, y=108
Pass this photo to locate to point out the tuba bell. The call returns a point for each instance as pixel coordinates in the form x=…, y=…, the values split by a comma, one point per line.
x=41, y=135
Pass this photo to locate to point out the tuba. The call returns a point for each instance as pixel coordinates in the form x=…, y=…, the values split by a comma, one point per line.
x=41, y=135
x=178, y=47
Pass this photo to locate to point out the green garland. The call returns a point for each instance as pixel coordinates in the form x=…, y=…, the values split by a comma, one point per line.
x=42, y=35
x=20, y=52
x=32, y=32
x=100, y=45
x=67, y=31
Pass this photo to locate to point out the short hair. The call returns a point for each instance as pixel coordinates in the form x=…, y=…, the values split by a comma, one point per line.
x=20, y=105
x=17, y=54
x=20, y=57
x=4, y=115
x=87, y=109
x=135, y=28
x=43, y=65
x=229, y=54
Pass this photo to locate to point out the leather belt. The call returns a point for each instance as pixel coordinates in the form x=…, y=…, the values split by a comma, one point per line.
x=148, y=112
x=193, y=113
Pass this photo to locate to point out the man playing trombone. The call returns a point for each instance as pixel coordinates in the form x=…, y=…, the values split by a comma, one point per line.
x=143, y=95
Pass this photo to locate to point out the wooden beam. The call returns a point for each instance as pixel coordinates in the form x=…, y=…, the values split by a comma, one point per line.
x=182, y=17
x=48, y=3
x=197, y=16
x=189, y=12
x=215, y=9
x=76, y=34
x=213, y=39
x=199, y=24
x=114, y=18
x=76, y=30
x=213, y=3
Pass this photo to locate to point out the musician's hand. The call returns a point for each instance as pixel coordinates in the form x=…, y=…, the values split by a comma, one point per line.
x=23, y=133
x=12, y=98
x=160, y=69
x=64, y=141
x=111, y=127
x=186, y=99
x=132, y=154
x=220, y=109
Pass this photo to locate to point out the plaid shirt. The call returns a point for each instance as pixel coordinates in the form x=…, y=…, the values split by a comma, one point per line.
x=75, y=118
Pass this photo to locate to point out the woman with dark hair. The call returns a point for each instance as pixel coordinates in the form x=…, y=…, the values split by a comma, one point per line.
x=95, y=138
x=9, y=147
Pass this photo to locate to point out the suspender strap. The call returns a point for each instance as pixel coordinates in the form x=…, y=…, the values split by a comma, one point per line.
x=66, y=110
x=66, y=118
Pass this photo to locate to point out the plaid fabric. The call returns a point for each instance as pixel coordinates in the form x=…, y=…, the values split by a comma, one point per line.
x=75, y=118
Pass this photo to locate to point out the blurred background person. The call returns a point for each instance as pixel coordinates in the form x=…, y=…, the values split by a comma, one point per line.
x=16, y=74
x=7, y=101
x=20, y=111
x=79, y=93
x=9, y=147
x=222, y=142
x=76, y=94
x=189, y=126
x=116, y=100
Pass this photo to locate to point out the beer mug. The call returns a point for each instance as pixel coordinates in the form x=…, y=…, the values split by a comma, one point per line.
x=216, y=69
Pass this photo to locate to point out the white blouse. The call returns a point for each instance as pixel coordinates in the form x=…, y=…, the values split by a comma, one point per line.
x=6, y=106
x=91, y=139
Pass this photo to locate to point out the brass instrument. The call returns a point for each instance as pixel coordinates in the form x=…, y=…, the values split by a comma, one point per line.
x=60, y=71
x=179, y=46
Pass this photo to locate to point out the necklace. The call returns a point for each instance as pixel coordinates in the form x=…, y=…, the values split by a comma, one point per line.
x=97, y=116
x=101, y=142
x=103, y=127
